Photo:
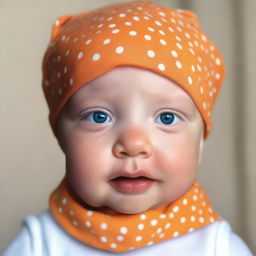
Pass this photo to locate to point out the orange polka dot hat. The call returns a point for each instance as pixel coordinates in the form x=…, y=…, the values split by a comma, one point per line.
x=147, y=35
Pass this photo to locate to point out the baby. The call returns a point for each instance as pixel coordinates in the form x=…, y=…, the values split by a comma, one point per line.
x=130, y=88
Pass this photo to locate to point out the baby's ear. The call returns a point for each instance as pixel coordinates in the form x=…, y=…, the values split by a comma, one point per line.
x=58, y=25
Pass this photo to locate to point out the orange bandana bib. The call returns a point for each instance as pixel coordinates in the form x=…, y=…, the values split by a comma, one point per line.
x=117, y=232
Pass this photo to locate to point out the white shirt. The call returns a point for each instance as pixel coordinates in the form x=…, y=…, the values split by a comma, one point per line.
x=42, y=236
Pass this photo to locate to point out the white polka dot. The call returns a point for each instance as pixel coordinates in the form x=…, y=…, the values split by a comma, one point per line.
x=191, y=230
x=115, y=31
x=119, y=49
x=96, y=57
x=151, y=53
x=58, y=58
x=185, y=201
x=158, y=23
x=161, y=235
x=147, y=37
x=138, y=238
x=111, y=25
x=161, y=67
x=199, y=68
x=63, y=38
x=146, y=18
x=210, y=210
x=65, y=69
x=103, y=239
x=75, y=39
x=174, y=53
x=162, y=32
x=103, y=225
x=193, y=208
x=190, y=81
x=100, y=25
x=217, y=76
x=175, y=234
x=113, y=245
x=187, y=35
x=60, y=210
x=173, y=20
x=140, y=226
x=143, y=216
x=175, y=208
x=107, y=41
x=133, y=33
x=211, y=219
x=128, y=23
x=75, y=223
x=171, y=215
x=150, y=243
x=67, y=52
x=159, y=230
x=123, y=230
x=195, y=197
x=192, y=51
x=162, y=14
x=71, y=213
x=217, y=61
x=167, y=225
x=88, y=224
x=183, y=220
x=162, y=216
x=57, y=22
x=109, y=18
x=89, y=213
x=64, y=201
x=179, y=46
x=162, y=41
x=153, y=222
x=120, y=238
x=80, y=55
x=136, y=18
x=201, y=90
x=193, y=218
x=178, y=64
x=171, y=29
x=122, y=15
x=151, y=29
x=201, y=220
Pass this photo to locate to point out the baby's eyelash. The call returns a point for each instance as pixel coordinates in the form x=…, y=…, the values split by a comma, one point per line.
x=97, y=117
x=167, y=118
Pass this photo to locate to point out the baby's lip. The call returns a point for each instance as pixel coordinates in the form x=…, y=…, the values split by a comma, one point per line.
x=132, y=175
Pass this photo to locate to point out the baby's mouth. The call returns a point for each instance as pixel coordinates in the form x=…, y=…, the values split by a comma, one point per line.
x=132, y=185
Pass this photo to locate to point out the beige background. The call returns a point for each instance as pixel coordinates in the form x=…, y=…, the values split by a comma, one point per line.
x=31, y=163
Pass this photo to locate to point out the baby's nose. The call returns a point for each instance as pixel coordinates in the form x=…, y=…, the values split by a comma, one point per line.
x=132, y=143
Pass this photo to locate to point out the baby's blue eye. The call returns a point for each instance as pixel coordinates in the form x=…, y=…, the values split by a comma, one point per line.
x=167, y=118
x=98, y=117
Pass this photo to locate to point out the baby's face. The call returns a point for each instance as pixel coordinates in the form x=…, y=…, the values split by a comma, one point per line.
x=132, y=140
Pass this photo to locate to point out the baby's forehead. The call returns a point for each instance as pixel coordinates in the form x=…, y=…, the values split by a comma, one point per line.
x=129, y=82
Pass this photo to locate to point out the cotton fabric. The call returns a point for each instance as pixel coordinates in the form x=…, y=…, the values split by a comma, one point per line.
x=42, y=236
x=109, y=230
x=146, y=35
